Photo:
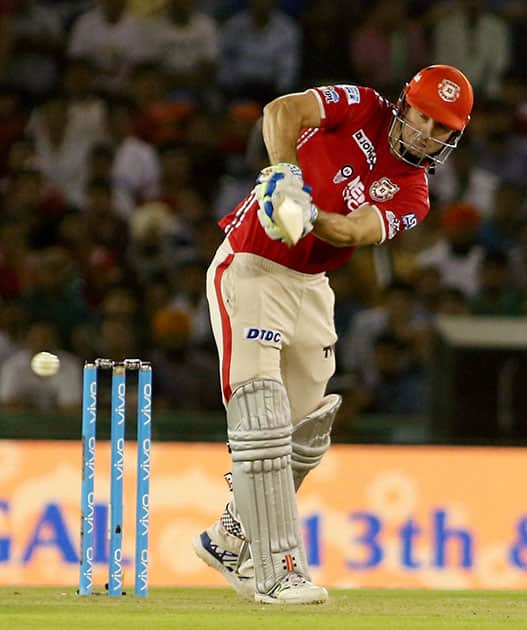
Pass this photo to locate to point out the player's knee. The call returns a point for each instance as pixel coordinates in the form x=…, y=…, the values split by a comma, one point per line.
x=312, y=435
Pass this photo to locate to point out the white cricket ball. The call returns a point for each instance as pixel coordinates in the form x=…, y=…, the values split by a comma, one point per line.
x=45, y=364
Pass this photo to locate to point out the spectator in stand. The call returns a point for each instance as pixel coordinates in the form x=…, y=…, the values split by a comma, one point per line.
x=176, y=173
x=13, y=256
x=54, y=292
x=457, y=255
x=97, y=239
x=499, y=151
x=159, y=240
x=13, y=120
x=158, y=118
x=6, y=33
x=388, y=47
x=495, y=296
x=453, y=180
x=113, y=40
x=135, y=168
x=348, y=302
x=396, y=315
x=86, y=110
x=400, y=385
x=187, y=377
x=428, y=292
x=189, y=294
x=323, y=60
x=518, y=257
x=22, y=389
x=157, y=294
x=13, y=328
x=475, y=41
x=29, y=206
x=499, y=232
x=515, y=13
x=122, y=304
x=260, y=55
x=238, y=176
x=496, y=152
x=202, y=144
x=188, y=48
x=103, y=225
x=61, y=155
x=453, y=302
x=116, y=337
x=20, y=155
x=100, y=161
x=36, y=48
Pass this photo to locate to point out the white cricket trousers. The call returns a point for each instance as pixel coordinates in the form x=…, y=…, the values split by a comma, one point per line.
x=272, y=322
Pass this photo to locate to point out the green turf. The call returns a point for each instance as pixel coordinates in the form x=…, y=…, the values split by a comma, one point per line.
x=210, y=609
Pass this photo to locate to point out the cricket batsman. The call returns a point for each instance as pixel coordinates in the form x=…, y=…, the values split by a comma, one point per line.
x=357, y=165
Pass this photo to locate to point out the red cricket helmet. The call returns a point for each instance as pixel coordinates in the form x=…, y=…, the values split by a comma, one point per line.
x=442, y=92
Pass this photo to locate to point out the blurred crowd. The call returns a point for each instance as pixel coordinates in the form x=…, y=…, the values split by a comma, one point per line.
x=129, y=128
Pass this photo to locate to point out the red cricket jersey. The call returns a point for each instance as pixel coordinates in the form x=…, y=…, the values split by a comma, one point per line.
x=347, y=162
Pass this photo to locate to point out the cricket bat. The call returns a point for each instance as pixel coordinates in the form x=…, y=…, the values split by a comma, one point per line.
x=289, y=217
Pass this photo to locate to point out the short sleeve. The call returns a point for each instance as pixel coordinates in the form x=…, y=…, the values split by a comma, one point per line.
x=401, y=205
x=338, y=102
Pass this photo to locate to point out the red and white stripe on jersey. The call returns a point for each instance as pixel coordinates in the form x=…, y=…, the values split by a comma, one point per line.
x=240, y=213
x=306, y=135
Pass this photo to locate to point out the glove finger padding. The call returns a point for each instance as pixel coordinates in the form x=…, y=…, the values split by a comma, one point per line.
x=271, y=228
x=282, y=167
x=275, y=184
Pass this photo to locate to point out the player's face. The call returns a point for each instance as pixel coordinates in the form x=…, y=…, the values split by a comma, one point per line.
x=423, y=135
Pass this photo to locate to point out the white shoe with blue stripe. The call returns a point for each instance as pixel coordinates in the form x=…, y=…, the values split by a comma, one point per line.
x=239, y=573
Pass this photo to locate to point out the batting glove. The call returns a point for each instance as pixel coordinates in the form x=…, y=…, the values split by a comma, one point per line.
x=274, y=184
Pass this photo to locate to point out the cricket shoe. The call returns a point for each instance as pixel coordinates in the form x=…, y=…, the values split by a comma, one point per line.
x=239, y=574
x=293, y=588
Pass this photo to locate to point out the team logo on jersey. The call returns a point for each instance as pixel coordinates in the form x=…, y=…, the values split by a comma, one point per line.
x=394, y=225
x=343, y=174
x=353, y=193
x=366, y=146
x=330, y=94
x=409, y=220
x=448, y=90
x=383, y=190
x=263, y=335
x=352, y=93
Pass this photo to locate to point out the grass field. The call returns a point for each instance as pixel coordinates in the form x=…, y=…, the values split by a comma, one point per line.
x=208, y=609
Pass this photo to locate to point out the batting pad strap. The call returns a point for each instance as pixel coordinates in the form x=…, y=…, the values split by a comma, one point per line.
x=255, y=445
x=312, y=437
x=260, y=428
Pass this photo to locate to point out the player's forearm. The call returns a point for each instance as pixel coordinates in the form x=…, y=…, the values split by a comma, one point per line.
x=362, y=227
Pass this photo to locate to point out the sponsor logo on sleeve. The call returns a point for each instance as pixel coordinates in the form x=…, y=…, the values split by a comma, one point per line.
x=343, y=174
x=366, y=146
x=263, y=335
x=409, y=221
x=383, y=189
x=352, y=93
x=394, y=225
x=330, y=94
